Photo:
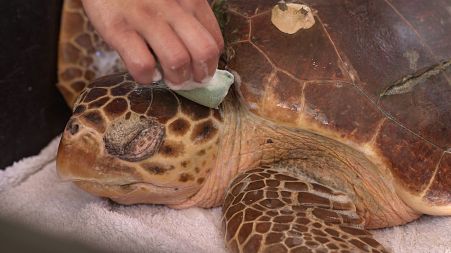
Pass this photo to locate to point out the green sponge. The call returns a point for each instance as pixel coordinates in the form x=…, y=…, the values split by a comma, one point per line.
x=213, y=93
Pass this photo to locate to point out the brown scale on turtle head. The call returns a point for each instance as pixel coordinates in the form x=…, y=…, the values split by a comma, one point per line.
x=162, y=139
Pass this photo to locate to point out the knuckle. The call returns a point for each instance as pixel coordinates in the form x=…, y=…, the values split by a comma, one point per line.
x=138, y=9
x=110, y=37
x=193, y=2
x=167, y=4
x=141, y=12
x=202, y=2
x=138, y=66
x=178, y=59
x=115, y=36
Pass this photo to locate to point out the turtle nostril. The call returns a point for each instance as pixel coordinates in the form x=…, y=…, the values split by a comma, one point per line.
x=72, y=127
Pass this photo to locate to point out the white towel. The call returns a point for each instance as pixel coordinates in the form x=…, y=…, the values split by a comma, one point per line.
x=31, y=192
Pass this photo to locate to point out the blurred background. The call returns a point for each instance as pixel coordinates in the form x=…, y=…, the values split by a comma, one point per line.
x=32, y=111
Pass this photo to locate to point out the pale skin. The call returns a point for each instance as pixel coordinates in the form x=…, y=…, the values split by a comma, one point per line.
x=183, y=36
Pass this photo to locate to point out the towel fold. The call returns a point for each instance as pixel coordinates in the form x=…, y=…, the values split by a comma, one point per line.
x=32, y=193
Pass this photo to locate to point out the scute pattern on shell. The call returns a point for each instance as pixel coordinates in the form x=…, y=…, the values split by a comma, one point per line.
x=330, y=79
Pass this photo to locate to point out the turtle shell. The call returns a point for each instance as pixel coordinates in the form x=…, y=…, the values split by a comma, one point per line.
x=375, y=75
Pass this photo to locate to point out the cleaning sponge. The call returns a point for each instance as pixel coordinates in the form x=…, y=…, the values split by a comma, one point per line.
x=213, y=92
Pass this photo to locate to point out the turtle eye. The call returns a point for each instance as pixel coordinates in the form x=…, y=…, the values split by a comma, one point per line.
x=145, y=144
x=134, y=140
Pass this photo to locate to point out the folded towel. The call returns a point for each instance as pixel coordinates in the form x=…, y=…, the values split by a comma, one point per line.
x=32, y=193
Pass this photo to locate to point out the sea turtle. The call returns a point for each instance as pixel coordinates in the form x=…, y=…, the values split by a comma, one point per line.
x=332, y=130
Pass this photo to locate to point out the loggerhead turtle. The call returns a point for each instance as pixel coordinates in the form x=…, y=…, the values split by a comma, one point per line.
x=328, y=132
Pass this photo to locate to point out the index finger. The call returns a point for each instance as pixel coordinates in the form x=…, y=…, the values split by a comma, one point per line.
x=204, y=14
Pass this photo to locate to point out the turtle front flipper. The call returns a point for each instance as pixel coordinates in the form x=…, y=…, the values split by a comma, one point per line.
x=271, y=211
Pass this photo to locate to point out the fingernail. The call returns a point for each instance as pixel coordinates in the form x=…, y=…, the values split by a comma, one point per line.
x=173, y=86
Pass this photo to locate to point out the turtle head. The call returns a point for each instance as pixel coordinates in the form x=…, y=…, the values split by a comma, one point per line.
x=138, y=143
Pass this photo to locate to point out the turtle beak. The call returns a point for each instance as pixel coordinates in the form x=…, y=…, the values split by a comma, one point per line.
x=70, y=150
x=78, y=160
x=137, y=193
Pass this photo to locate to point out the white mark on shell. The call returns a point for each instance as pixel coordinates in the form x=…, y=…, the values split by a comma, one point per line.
x=316, y=114
x=412, y=56
x=289, y=106
x=290, y=18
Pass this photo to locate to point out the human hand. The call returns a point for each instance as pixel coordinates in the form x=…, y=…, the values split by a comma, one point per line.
x=183, y=34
